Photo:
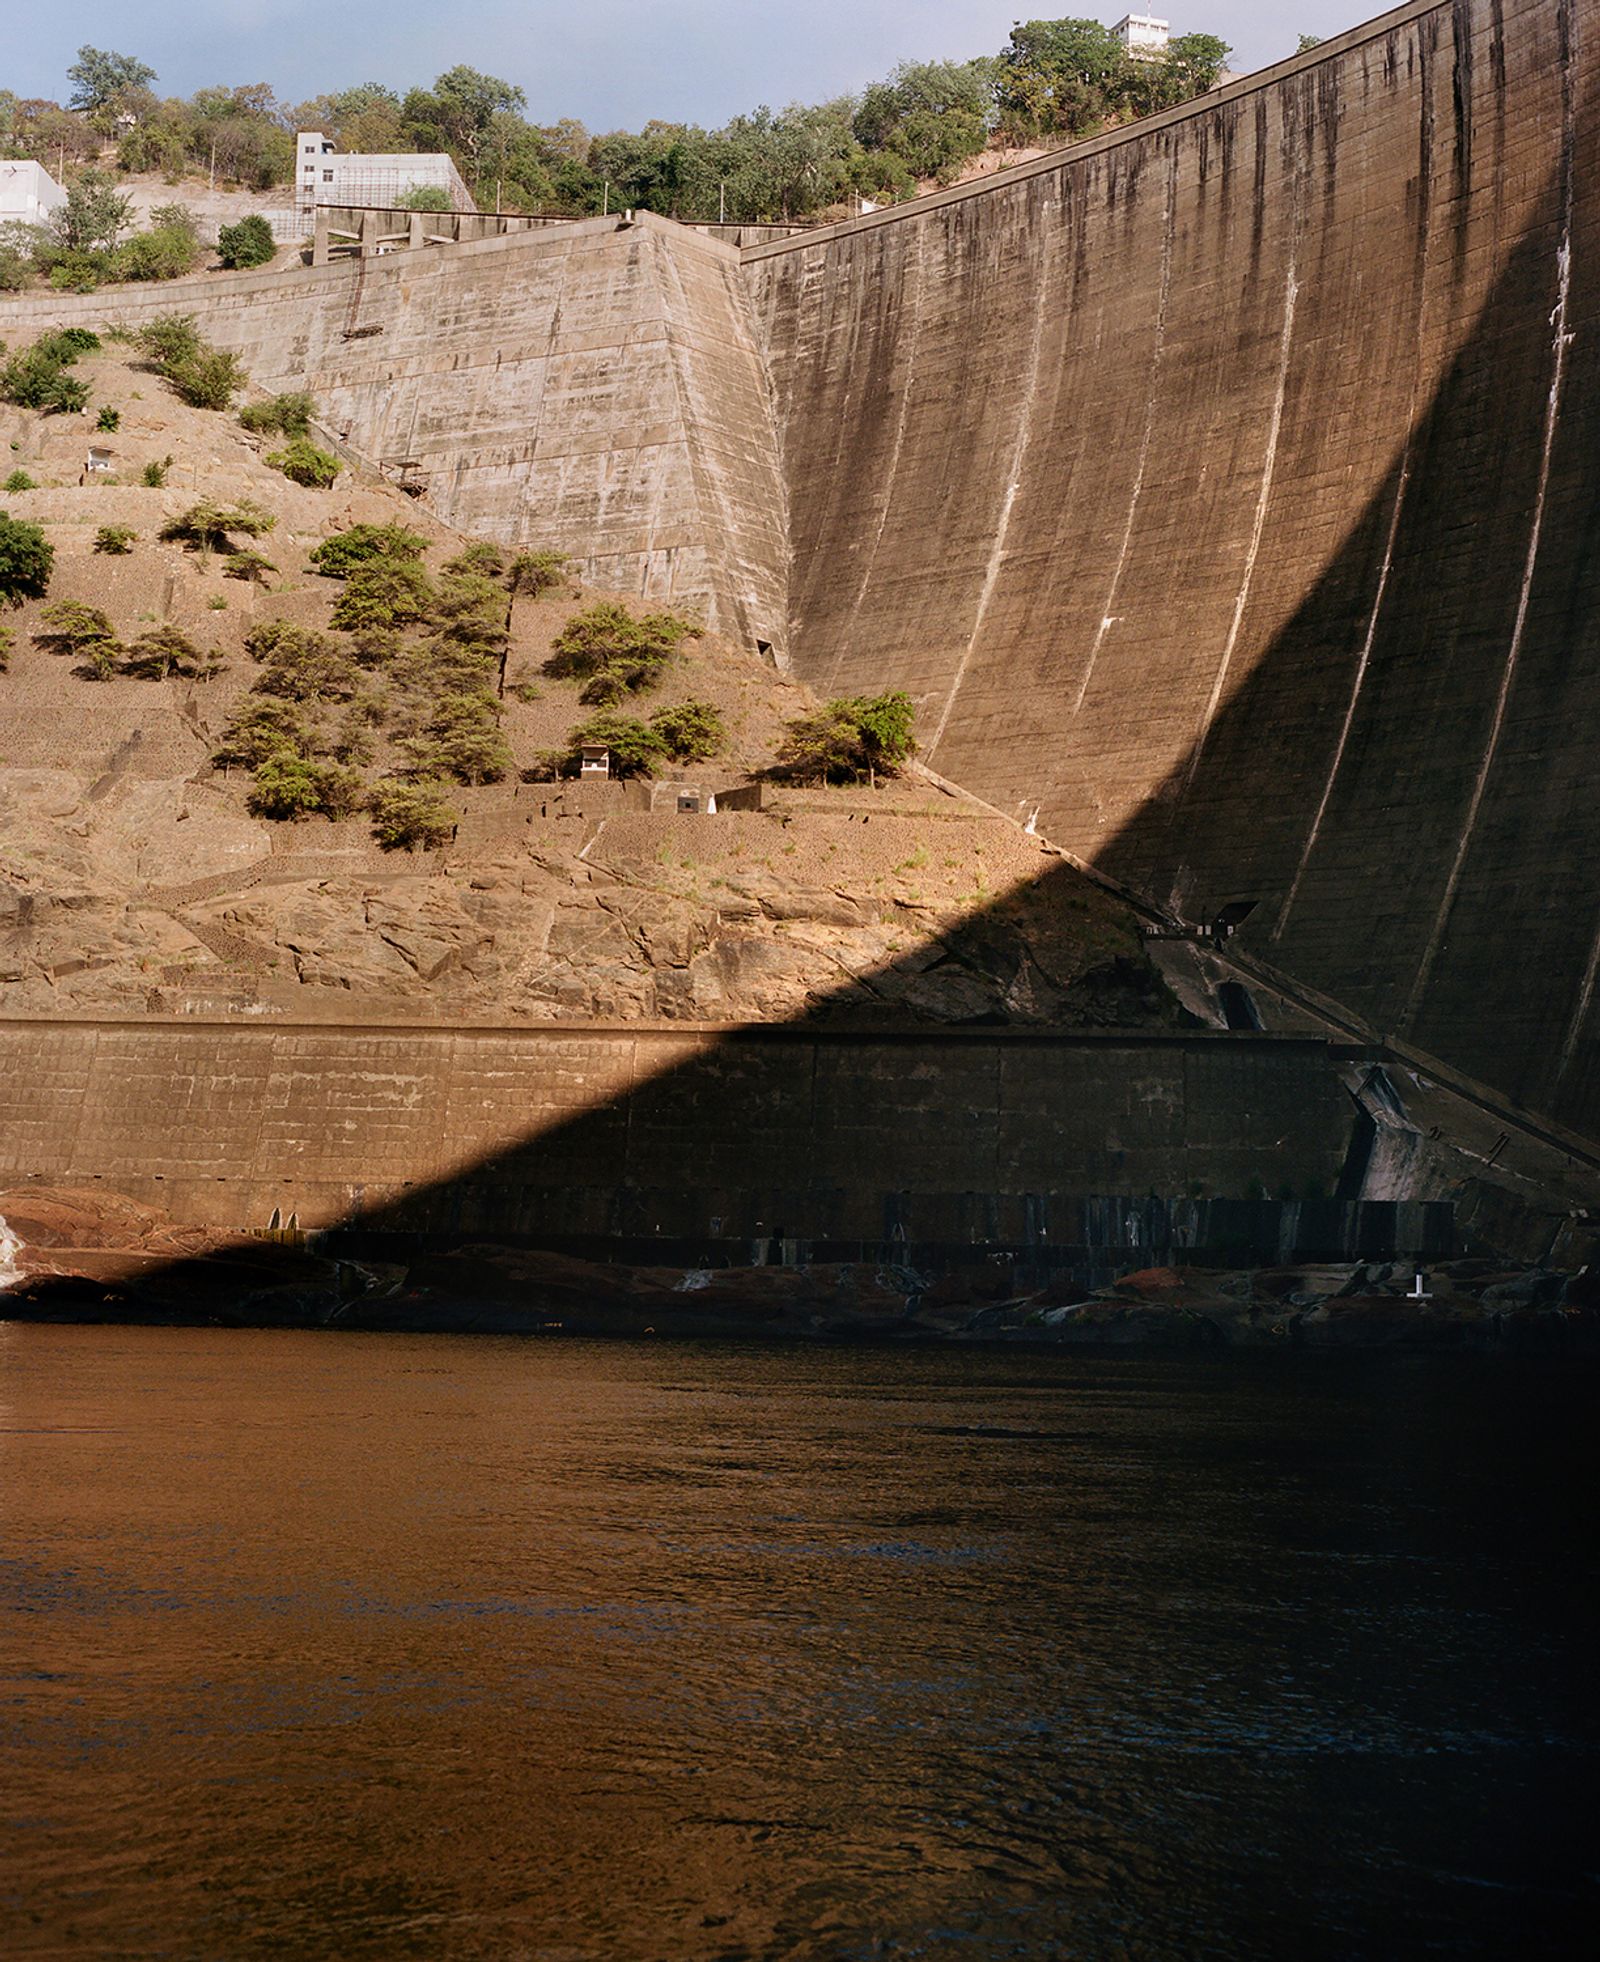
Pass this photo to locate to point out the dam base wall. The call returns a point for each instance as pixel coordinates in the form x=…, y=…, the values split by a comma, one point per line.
x=698, y=1147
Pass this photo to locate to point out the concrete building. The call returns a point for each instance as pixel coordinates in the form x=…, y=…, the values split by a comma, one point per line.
x=324, y=175
x=28, y=194
x=1144, y=38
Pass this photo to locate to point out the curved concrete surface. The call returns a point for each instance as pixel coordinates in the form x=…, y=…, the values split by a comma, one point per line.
x=1228, y=490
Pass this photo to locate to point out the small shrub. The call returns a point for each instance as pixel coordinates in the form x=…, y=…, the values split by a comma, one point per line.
x=109, y=421
x=210, y=381
x=208, y=526
x=154, y=475
x=480, y=557
x=19, y=480
x=247, y=566
x=532, y=573
x=6, y=642
x=205, y=377
x=406, y=815
x=424, y=197
x=280, y=415
x=115, y=540
x=303, y=463
x=339, y=555
x=168, y=250
x=691, y=731
x=81, y=272
x=169, y=338
x=26, y=560
x=249, y=243
x=615, y=654
x=525, y=691
x=37, y=378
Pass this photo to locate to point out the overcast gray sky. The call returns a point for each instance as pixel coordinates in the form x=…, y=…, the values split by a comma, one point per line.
x=611, y=63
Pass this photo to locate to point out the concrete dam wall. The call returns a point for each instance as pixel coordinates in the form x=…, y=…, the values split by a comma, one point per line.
x=1227, y=490
x=593, y=389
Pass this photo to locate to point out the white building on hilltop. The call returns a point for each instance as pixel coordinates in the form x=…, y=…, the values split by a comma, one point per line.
x=1145, y=39
x=324, y=175
x=28, y=194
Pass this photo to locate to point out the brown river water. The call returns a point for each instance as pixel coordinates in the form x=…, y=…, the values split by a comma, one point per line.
x=337, y=1645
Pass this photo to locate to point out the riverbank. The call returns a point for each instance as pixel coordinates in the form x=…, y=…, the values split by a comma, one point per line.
x=78, y=1257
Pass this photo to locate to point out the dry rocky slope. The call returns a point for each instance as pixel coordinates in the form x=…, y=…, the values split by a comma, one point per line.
x=133, y=879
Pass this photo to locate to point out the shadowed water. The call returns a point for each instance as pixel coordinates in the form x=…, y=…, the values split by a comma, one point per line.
x=356, y=1646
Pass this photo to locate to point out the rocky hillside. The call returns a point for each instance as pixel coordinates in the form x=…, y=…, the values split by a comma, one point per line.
x=135, y=876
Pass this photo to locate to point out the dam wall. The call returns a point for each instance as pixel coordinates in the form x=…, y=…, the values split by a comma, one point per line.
x=691, y=1141
x=1226, y=492
x=593, y=389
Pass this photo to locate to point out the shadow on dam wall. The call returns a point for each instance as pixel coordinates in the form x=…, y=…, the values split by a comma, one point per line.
x=1405, y=782
x=1225, y=491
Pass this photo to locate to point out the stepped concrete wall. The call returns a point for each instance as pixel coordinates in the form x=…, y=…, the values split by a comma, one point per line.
x=1227, y=490
x=593, y=389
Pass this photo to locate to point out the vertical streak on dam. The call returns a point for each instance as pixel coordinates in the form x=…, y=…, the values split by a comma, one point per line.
x=1242, y=511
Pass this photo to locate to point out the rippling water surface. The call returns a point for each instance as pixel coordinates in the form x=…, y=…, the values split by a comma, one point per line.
x=348, y=1646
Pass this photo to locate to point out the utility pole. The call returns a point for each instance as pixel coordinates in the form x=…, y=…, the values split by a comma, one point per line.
x=722, y=200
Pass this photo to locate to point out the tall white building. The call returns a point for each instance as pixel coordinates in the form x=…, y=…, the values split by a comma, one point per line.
x=28, y=194
x=326, y=175
x=1145, y=39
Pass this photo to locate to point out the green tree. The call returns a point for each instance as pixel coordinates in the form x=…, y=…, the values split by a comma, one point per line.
x=424, y=197
x=342, y=552
x=850, y=738
x=933, y=114
x=94, y=213
x=1061, y=76
x=99, y=78
x=209, y=526
x=287, y=787
x=383, y=593
x=26, y=560
x=84, y=633
x=615, y=654
x=163, y=651
x=408, y=815
x=692, y=731
x=636, y=749
x=248, y=243
x=261, y=728
x=299, y=664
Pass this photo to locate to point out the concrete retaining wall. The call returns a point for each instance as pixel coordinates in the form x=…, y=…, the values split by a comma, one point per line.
x=623, y=1135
